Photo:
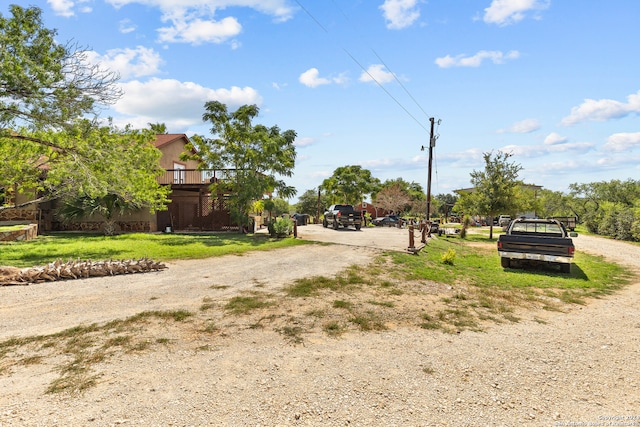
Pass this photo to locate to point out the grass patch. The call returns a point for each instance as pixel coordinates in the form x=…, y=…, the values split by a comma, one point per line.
x=80, y=348
x=334, y=328
x=246, y=304
x=159, y=247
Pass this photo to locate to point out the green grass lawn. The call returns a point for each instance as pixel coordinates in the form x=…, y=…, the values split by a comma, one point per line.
x=477, y=263
x=159, y=247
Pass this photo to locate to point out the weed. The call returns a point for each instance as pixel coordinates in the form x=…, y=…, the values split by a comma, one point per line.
x=388, y=304
x=368, y=322
x=448, y=257
x=429, y=322
x=210, y=327
x=428, y=370
x=293, y=333
x=342, y=304
x=246, y=304
x=333, y=329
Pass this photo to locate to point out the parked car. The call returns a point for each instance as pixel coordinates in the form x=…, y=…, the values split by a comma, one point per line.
x=504, y=220
x=342, y=215
x=389, y=221
x=301, y=219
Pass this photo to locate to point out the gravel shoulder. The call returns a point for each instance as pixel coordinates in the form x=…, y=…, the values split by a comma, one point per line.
x=580, y=366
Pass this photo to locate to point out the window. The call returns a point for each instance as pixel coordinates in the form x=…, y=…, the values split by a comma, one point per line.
x=179, y=173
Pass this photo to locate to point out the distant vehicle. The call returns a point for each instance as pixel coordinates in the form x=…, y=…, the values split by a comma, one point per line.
x=342, y=215
x=389, y=221
x=569, y=222
x=504, y=220
x=536, y=240
x=300, y=219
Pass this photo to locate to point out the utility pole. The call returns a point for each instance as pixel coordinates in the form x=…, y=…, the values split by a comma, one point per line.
x=432, y=143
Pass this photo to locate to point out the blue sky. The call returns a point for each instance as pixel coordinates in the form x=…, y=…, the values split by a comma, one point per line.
x=556, y=83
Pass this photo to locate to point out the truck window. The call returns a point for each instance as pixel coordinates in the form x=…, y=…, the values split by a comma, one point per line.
x=532, y=227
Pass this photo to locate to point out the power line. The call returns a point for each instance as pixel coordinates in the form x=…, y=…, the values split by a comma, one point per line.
x=367, y=72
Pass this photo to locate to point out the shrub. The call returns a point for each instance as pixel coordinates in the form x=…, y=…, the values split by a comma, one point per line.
x=281, y=227
x=448, y=257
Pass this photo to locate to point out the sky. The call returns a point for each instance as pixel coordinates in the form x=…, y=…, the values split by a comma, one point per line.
x=554, y=83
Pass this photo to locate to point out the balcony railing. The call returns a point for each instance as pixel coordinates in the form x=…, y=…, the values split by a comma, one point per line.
x=193, y=176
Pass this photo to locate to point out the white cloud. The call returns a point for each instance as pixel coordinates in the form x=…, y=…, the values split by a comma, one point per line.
x=376, y=73
x=198, y=31
x=505, y=12
x=622, y=142
x=195, y=21
x=177, y=104
x=129, y=63
x=126, y=26
x=523, y=126
x=476, y=60
x=602, y=110
x=555, y=139
x=311, y=78
x=62, y=7
x=303, y=142
x=400, y=14
x=530, y=151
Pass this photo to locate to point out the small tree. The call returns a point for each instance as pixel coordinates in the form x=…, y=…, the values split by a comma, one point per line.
x=258, y=155
x=107, y=207
x=393, y=198
x=495, y=188
x=350, y=184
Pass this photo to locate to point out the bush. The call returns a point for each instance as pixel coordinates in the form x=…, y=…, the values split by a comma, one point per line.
x=448, y=257
x=281, y=227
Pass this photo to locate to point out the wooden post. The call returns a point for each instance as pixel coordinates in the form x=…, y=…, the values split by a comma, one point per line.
x=412, y=244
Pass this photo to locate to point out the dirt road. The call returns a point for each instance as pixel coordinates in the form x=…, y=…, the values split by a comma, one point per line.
x=580, y=366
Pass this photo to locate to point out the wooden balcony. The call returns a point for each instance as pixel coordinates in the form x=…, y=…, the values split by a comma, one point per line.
x=193, y=176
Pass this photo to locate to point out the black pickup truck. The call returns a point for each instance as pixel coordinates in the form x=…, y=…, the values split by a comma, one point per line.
x=342, y=215
x=536, y=240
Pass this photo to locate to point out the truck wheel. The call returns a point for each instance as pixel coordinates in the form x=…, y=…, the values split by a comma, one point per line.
x=565, y=268
x=335, y=224
x=358, y=226
x=324, y=223
x=505, y=262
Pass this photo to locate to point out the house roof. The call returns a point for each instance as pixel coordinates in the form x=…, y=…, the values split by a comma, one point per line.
x=167, y=138
x=163, y=139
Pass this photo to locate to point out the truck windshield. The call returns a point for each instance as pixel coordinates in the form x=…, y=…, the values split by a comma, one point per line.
x=535, y=227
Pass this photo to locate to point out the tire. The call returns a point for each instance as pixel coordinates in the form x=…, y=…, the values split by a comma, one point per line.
x=565, y=268
x=335, y=224
x=358, y=226
x=505, y=262
x=324, y=223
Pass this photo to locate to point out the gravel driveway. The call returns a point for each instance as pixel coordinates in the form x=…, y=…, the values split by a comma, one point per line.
x=575, y=368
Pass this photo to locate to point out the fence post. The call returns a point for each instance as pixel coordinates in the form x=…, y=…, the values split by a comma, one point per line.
x=412, y=245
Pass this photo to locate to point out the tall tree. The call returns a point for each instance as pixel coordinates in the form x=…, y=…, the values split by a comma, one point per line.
x=445, y=203
x=259, y=156
x=158, y=128
x=393, y=198
x=48, y=148
x=308, y=202
x=495, y=188
x=350, y=184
